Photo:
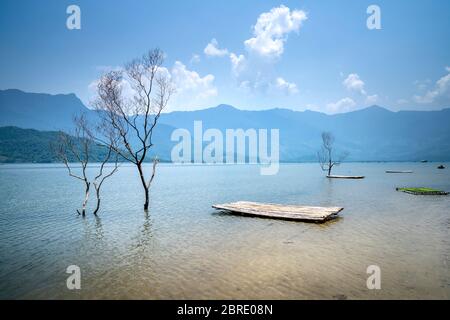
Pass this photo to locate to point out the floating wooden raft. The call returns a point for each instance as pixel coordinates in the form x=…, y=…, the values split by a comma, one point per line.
x=398, y=171
x=279, y=211
x=345, y=177
x=417, y=191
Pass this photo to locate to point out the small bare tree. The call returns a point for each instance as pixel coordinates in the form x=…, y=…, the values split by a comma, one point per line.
x=325, y=155
x=101, y=177
x=133, y=115
x=79, y=148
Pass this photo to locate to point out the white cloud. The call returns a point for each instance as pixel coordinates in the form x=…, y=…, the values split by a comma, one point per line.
x=187, y=81
x=213, y=50
x=127, y=90
x=371, y=99
x=288, y=88
x=271, y=30
x=237, y=63
x=402, y=101
x=312, y=106
x=343, y=105
x=245, y=85
x=354, y=83
x=440, y=91
x=256, y=75
x=192, y=90
x=254, y=71
x=195, y=59
x=422, y=85
x=251, y=74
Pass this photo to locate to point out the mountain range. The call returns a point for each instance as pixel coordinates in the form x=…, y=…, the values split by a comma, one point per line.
x=370, y=134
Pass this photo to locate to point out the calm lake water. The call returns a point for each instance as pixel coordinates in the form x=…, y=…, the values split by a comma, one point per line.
x=184, y=249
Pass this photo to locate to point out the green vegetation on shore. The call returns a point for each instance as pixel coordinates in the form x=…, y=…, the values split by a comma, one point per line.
x=19, y=145
x=419, y=189
x=32, y=146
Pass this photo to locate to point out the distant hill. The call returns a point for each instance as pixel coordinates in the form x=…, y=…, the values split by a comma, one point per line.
x=38, y=111
x=371, y=134
x=48, y=112
x=32, y=146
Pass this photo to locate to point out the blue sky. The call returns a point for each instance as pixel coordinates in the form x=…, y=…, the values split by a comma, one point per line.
x=316, y=55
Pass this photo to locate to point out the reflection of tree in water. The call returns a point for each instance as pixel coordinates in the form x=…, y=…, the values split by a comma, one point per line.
x=328, y=192
x=145, y=235
x=98, y=228
x=141, y=248
x=93, y=229
x=329, y=199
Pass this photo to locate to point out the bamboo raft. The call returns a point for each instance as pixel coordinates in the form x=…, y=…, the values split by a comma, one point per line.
x=345, y=177
x=425, y=192
x=279, y=211
x=398, y=171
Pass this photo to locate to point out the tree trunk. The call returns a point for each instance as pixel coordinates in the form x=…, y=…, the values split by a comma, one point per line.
x=144, y=185
x=97, y=207
x=146, y=198
x=330, y=165
x=86, y=198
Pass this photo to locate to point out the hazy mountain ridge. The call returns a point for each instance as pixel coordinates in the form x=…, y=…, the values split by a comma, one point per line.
x=370, y=134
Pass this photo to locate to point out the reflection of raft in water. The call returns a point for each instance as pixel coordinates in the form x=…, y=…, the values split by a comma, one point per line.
x=345, y=177
x=279, y=211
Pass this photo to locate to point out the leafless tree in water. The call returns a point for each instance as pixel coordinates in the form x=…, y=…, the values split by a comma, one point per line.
x=133, y=115
x=79, y=147
x=326, y=156
x=102, y=176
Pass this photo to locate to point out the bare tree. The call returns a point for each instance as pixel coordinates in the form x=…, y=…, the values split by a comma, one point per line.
x=133, y=115
x=101, y=177
x=79, y=148
x=326, y=156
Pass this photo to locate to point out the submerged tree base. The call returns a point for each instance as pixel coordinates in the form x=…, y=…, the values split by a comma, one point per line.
x=422, y=191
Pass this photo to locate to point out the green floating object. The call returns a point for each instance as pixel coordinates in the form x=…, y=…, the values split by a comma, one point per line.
x=422, y=191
